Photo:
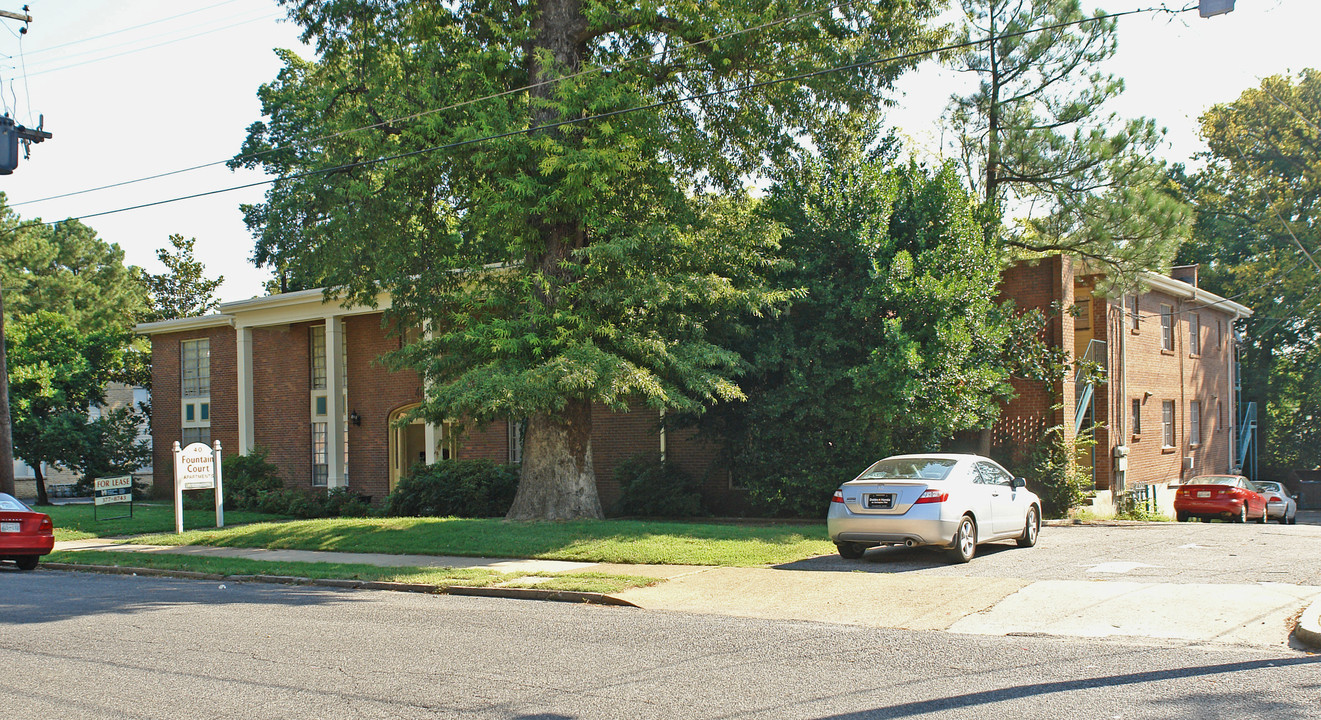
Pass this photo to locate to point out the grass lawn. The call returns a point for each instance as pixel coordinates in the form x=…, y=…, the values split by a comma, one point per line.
x=582, y=582
x=612, y=541
x=77, y=522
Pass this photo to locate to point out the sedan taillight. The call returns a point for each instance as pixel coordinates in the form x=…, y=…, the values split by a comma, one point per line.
x=838, y=497
x=46, y=526
x=932, y=496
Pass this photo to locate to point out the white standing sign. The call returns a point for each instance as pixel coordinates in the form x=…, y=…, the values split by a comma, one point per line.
x=197, y=467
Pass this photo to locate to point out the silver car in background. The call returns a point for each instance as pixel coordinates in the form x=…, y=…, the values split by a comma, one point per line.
x=1280, y=505
x=952, y=501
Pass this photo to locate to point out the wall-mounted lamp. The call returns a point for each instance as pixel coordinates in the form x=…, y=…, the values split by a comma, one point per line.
x=355, y=418
x=1146, y=396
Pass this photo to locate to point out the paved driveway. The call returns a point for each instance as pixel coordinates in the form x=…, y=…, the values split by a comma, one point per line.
x=1150, y=552
x=1195, y=582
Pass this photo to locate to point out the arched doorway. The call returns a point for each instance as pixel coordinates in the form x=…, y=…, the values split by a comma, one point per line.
x=408, y=444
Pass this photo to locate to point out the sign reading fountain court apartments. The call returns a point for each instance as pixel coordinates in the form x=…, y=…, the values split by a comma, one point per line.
x=197, y=467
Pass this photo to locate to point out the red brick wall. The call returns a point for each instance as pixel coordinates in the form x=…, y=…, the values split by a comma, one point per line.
x=1181, y=377
x=617, y=436
x=281, y=399
x=1024, y=418
x=167, y=391
x=374, y=393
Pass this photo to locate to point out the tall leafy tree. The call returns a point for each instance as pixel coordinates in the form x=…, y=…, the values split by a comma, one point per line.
x=68, y=270
x=56, y=373
x=65, y=275
x=1257, y=239
x=1036, y=141
x=562, y=248
x=895, y=342
x=183, y=290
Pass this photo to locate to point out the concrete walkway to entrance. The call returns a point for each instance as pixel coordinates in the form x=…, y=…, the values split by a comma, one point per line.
x=1256, y=614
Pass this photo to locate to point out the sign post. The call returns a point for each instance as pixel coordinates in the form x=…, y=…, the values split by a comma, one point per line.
x=197, y=467
x=109, y=491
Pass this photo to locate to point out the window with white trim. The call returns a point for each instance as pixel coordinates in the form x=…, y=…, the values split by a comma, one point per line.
x=1167, y=327
x=1167, y=423
x=320, y=464
x=195, y=408
x=516, y=430
x=1134, y=319
x=1194, y=423
x=1194, y=334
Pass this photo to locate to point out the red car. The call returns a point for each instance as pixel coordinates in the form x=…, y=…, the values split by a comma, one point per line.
x=1232, y=497
x=24, y=535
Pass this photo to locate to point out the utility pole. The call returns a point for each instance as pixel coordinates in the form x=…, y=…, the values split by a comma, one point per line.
x=10, y=134
x=6, y=429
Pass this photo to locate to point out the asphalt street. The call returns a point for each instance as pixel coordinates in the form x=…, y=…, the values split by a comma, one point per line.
x=93, y=646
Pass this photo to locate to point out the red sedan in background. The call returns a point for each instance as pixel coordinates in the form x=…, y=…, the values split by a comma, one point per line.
x=24, y=535
x=1232, y=497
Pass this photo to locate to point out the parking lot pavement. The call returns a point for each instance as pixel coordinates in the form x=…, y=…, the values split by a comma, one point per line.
x=1180, y=553
x=1197, y=582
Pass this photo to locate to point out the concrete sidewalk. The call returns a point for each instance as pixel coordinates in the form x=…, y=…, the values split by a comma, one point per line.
x=1256, y=614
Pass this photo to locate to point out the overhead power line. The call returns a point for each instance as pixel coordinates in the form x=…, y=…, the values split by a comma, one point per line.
x=454, y=106
x=640, y=108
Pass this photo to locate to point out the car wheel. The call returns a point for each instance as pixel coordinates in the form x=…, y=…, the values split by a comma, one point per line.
x=965, y=541
x=1293, y=520
x=850, y=550
x=1181, y=516
x=27, y=562
x=1262, y=520
x=1284, y=520
x=1031, y=528
x=1242, y=513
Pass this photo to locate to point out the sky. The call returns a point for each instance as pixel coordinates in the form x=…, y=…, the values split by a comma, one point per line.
x=136, y=88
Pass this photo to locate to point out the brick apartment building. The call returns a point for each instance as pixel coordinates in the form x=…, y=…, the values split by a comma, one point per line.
x=1166, y=407
x=261, y=372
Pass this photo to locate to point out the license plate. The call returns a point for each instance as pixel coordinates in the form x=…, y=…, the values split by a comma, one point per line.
x=880, y=502
x=1204, y=493
x=10, y=527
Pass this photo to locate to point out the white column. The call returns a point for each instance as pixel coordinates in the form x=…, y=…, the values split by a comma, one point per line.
x=430, y=433
x=334, y=403
x=247, y=434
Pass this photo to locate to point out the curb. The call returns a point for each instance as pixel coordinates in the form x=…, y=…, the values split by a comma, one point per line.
x=1308, y=630
x=590, y=598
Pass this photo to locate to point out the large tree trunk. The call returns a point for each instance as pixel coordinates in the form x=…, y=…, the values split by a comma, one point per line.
x=558, y=481
x=41, y=484
x=6, y=429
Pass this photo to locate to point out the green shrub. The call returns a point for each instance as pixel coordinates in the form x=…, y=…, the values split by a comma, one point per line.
x=248, y=477
x=455, y=488
x=1056, y=476
x=342, y=502
x=651, y=487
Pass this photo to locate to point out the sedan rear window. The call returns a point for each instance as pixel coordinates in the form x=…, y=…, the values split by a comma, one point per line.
x=1216, y=480
x=909, y=469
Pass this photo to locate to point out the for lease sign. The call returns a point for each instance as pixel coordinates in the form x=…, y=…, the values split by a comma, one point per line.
x=107, y=491
x=196, y=468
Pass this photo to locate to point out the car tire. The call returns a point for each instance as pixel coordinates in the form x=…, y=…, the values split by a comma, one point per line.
x=1293, y=520
x=850, y=550
x=1262, y=520
x=1242, y=514
x=965, y=541
x=1181, y=516
x=27, y=562
x=1284, y=520
x=1031, y=528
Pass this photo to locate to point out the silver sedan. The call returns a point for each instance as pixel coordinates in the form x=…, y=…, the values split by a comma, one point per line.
x=952, y=501
x=1280, y=505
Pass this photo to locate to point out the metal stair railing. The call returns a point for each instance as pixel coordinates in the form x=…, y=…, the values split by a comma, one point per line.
x=1085, y=392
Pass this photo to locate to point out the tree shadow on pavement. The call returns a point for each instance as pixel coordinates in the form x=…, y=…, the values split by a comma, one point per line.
x=44, y=596
x=1200, y=705
x=891, y=560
